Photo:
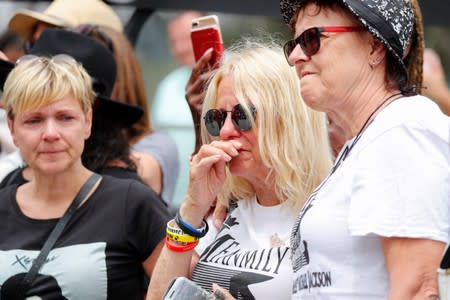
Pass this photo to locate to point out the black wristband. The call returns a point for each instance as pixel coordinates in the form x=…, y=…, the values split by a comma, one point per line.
x=189, y=229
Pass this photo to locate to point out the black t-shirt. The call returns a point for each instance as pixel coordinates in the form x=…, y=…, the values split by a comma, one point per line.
x=100, y=253
x=16, y=176
x=13, y=177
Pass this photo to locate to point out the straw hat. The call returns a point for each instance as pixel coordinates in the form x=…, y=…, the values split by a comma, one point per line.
x=65, y=13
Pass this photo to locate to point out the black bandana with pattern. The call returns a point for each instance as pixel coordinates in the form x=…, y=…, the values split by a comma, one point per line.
x=391, y=21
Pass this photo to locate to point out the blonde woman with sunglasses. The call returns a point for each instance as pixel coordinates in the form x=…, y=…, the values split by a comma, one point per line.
x=262, y=147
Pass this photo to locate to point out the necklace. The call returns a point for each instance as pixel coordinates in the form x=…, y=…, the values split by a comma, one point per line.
x=366, y=124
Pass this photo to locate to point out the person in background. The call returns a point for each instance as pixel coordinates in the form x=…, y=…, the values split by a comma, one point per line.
x=170, y=110
x=196, y=89
x=10, y=158
x=435, y=84
x=262, y=147
x=12, y=45
x=382, y=214
x=6, y=142
x=116, y=233
x=155, y=152
x=63, y=14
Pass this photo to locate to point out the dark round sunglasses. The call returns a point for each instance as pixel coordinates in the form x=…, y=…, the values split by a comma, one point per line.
x=309, y=40
x=215, y=118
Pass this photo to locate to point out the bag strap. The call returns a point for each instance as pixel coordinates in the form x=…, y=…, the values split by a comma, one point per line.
x=14, y=175
x=445, y=261
x=56, y=232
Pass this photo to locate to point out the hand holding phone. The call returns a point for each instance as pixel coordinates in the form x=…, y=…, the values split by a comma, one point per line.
x=182, y=288
x=205, y=34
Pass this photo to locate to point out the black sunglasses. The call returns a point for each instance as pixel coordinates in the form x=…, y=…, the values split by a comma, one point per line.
x=44, y=59
x=309, y=40
x=94, y=31
x=215, y=118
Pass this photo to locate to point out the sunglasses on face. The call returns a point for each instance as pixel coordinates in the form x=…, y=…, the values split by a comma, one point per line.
x=98, y=86
x=215, y=118
x=94, y=31
x=44, y=59
x=309, y=40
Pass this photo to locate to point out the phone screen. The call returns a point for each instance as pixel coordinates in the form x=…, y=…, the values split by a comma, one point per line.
x=184, y=289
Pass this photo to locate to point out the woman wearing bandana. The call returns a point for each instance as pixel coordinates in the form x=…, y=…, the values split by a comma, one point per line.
x=377, y=226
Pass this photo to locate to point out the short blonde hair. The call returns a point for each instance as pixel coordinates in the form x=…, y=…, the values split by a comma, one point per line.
x=292, y=138
x=37, y=81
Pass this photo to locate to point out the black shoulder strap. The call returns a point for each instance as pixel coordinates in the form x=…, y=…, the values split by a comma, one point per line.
x=445, y=262
x=56, y=232
x=14, y=175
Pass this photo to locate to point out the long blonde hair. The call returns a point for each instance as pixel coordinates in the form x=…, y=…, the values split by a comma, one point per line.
x=292, y=138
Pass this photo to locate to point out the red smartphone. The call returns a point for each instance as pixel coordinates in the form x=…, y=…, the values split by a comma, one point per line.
x=205, y=34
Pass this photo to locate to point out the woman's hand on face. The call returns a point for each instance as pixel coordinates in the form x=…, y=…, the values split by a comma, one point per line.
x=207, y=175
x=195, y=88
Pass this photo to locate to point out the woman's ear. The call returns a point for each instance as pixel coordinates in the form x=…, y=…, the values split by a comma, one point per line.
x=88, y=124
x=11, y=130
x=377, y=52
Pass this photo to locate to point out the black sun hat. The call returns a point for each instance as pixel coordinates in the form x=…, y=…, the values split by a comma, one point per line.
x=5, y=68
x=98, y=62
x=391, y=21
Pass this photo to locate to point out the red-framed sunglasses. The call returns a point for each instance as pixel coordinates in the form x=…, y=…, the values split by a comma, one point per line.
x=309, y=40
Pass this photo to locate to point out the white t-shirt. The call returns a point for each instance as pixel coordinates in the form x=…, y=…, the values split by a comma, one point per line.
x=250, y=255
x=394, y=182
